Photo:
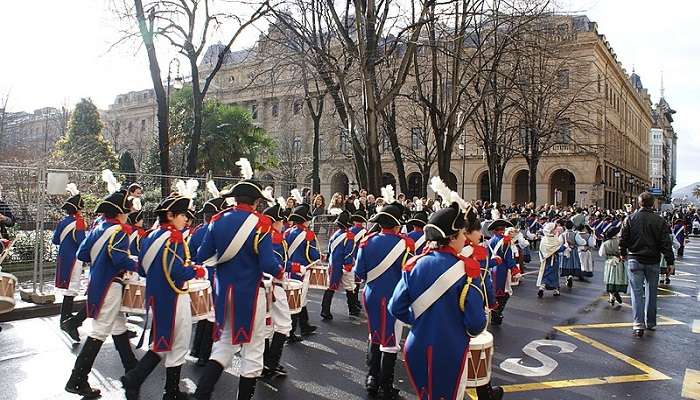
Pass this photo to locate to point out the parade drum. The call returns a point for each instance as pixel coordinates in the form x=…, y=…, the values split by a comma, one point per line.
x=318, y=277
x=293, y=289
x=479, y=360
x=200, y=299
x=8, y=283
x=134, y=298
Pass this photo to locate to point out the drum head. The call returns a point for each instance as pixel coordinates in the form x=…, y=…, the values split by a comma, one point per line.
x=293, y=284
x=196, y=285
x=484, y=340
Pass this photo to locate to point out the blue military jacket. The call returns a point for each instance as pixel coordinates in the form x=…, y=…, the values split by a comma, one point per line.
x=67, y=237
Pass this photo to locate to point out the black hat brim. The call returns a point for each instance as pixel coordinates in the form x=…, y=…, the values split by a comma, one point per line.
x=498, y=224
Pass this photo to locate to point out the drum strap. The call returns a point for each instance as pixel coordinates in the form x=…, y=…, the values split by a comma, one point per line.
x=239, y=239
x=133, y=236
x=387, y=262
x=100, y=242
x=360, y=235
x=438, y=288
x=337, y=241
x=296, y=243
x=67, y=230
x=153, y=250
x=420, y=242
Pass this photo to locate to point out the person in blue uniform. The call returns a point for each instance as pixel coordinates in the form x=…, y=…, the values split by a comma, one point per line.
x=69, y=233
x=302, y=250
x=238, y=239
x=437, y=346
x=380, y=260
x=359, y=230
x=201, y=345
x=551, y=247
x=341, y=249
x=106, y=248
x=165, y=262
x=138, y=232
x=680, y=234
x=502, y=263
x=418, y=221
x=279, y=309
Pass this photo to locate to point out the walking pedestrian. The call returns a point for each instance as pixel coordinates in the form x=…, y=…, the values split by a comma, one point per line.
x=644, y=238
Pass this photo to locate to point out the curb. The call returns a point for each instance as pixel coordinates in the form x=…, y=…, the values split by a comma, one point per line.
x=37, y=311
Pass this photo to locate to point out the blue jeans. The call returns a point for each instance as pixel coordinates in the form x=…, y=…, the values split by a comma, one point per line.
x=644, y=279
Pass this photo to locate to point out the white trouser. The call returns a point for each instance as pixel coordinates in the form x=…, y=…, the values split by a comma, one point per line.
x=74, y=284
x=281, y=318
x=398, y=331
x=182, y=331
x=110, y=321
x=348, y=280
x=251, y=352
x=305, y=287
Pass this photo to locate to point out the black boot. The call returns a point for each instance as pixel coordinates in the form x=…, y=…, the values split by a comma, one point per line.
x=293, y=338
x=273, y=354
x=205, y=343
x=205, y=386
x=326, y=305
x=306, y=328
x=133, y=380
x=66, y=308
x=488, y=392
x=172, y=384
x=78, y=381
x=246, y=388
x=386, y=380
x=71, y=325
x=121, y=342
x=356, y=297
x=197, y=341
x=353, y=310
x=374, y=361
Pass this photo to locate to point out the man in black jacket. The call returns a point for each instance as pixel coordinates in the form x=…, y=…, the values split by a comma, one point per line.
x=645, y=237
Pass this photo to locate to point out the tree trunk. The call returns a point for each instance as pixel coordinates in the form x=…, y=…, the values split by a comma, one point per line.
x=390, y=121
x=316, y=164
x=161, y=99
x=532, y=164
x=374, y=159
x=196, y=133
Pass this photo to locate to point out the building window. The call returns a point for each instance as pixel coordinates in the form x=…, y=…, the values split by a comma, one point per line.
x=344, y=141
x=296, y=108
x=564, y=131
x=275, y=109
x=598, y=83
x=143, y=125
x=254, y=111
x=564, y=78
x=231, y=80
x=296, y=144
x=385, y=144
x=416, y=138
x=130, y=127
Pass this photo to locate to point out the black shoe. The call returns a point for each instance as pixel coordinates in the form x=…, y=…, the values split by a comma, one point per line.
x=133, y=380
x=570, y=282
x=205, y=386
x=205, y=343
x=638, y=332
x=293, y=338
x=386, y=377
x=70, y=326
x=131, y=334
x=496, y=393
x=618, y=297
x=306, y=328
x=246, y=388
x=651, y=328
x=326, y=305
x=353, y=310
x=281, y=371
x=372, y=385
x=78, y=381
x=540, y=293
x=126, y=354
x=374, y=362
x=66, y=309
x=273, y=353
x=172, y=384
x=668, y=281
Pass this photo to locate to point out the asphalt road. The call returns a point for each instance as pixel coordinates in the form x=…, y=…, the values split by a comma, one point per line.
x=575, y=346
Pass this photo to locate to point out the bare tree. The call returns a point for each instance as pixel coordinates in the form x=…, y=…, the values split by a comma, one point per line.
x=420, y=149
x=555, y=95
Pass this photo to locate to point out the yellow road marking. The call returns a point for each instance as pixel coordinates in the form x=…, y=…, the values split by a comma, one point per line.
x=679, y=294
x=691, y=384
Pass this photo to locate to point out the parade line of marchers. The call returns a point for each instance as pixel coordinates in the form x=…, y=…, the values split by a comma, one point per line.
x=243, y=277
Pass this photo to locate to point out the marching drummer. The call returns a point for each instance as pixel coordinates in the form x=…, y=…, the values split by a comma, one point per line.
x=135, y=220
x=379, y=263
x=358, y=229
x=341, y=248
x=441, y=296
x=237, y=239
x=69, y=233
x=302, y=251
x=502, y=263
x=165, y=261
x=418, y=221
x=106, y=248
x=279, y=309
x=201, y=345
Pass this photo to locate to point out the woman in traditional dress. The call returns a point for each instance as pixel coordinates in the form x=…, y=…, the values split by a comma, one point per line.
x=570, y=263
x=585, y=240
x=615, y=274
x=550, y=247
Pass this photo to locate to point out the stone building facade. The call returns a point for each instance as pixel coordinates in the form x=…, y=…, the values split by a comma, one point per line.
x=610, y=171
x=30, y=137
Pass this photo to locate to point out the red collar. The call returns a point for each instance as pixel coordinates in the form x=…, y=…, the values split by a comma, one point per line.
x=390, y=231
x=79, y=221
x=276, y=236
x=301, y=226
x=125, y=228
x=417, y=229
x=471, y=267
x=244, y=207
x=175, y=234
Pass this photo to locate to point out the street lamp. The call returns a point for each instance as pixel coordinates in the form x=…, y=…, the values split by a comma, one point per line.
x=463, y=147
x=617, y=174
x=178, y=82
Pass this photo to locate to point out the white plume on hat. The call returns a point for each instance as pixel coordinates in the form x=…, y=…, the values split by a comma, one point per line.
x=388, y=194
x=112, y=184
x=246, y=169
x=439, y=187
x=419, y=204
x=297, y=196
x=267, y=193
x=282, y=202
x=72, y=189
x=212, y=189
x=356, y=203
x=135, y=203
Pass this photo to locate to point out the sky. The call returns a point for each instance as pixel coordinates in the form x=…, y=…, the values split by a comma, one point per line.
x=55, y=52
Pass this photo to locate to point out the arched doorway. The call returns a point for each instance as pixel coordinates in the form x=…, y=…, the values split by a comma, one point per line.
x=388, y=179
x=340, y=183
x=484, y=189
x=415, y=185
x=562, y=188
x=452, y=181
x=520, y=187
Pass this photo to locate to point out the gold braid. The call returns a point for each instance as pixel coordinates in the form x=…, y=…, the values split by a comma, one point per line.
x=110, y=246
x=168, y=267
x=463, y=295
